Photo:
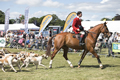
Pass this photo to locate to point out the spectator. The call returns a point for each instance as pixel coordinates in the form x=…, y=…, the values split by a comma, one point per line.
x=7, y=40
x=11, y=34
x=33, y=35
x=110, y=40
x=1, y=33
x=100, y=39
x=34, y=43
x=115, y=37
x=39, y=42
x=30, y=34
x=41, y=35
x=21, y=42
x=31, y=43
x=27, y=40
x=24, y=36
x=4, y=34
x=15, y=34
x=44, y=43
x=118, y=37
x=11, y=40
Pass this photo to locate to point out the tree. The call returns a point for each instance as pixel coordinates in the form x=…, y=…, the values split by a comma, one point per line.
x=2, y=17
x=22, y=19
x=87, y=20
x=11, y=21
x=106, y=19
x=57, y=21
x=54, y=21
x=36, y=21
x=33, y=20
x=39, y=21
x=117, y=17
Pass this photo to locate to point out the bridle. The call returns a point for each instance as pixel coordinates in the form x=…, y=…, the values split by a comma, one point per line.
x=105, y=31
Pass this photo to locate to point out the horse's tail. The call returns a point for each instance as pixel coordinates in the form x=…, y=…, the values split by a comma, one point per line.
x=49, y=45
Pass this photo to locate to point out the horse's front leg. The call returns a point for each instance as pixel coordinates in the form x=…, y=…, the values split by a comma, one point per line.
x=82, y=57
x=95, y=54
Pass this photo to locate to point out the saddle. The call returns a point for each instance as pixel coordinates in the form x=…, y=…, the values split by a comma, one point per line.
x=78, y=35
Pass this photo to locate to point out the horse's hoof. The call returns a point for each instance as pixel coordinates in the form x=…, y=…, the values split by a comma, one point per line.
x=50, y=67
x=101, y=67
x=78, y=66
x=71, y=66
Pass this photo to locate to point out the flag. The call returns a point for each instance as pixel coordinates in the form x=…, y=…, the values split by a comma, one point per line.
x=69, y=20
x=26, y=19
x=7, y=14
x=44, y=23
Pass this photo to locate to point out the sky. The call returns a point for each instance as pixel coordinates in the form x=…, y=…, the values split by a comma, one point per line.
x=93, y=10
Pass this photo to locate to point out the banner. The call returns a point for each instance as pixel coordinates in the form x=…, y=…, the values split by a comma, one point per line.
x=44, y=23
x=69, y=21
x=26, y=19
x=115, y=47
x=2, y=42
x=7, y=14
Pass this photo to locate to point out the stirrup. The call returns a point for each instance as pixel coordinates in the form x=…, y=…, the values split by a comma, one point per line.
x=81, y=44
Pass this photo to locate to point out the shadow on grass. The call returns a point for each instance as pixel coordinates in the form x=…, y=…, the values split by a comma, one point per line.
x=61, y=67
x=97, y=66
x=17, y=71
x=24, y=71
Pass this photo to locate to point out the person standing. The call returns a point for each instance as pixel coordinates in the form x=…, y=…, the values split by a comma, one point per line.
x=24, y=36
x=110, y=40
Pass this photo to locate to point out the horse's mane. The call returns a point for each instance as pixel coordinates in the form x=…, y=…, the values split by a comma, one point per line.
x=95, y=26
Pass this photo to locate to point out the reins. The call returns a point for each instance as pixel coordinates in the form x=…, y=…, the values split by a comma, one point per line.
x=91, y=34
x=95, y=33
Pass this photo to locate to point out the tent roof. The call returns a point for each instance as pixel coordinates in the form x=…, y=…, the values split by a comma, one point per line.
x=18, y=26
x=113, y=26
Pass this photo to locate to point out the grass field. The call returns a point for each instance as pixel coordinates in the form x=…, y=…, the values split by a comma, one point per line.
x=61, y=71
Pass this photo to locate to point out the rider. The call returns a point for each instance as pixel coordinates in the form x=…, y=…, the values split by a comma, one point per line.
x=77, y=27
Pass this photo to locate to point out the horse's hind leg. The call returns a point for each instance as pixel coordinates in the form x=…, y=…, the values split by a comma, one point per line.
x=65, y=56
x=53, y=55
x=95, y=54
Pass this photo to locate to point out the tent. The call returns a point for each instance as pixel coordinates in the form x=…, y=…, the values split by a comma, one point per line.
x=18, y=27
x=113, y=26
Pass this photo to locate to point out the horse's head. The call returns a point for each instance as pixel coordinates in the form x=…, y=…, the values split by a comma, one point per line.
x=105, y=30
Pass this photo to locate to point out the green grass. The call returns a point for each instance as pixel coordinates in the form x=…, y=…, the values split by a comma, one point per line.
x=61, y=71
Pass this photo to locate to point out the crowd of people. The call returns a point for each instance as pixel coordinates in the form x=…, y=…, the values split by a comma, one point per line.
x=26, y=40
x=30, y=40
x=107, y=42
x=115, y=37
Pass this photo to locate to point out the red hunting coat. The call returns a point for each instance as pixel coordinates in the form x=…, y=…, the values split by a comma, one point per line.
x=76, y=24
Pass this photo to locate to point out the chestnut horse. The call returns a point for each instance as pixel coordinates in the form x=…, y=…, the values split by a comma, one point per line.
x=66, y=41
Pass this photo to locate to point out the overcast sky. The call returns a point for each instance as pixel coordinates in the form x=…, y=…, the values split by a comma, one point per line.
x=93, y=10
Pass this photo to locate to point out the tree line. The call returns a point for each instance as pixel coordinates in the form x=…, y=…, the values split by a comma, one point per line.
x=37, y=21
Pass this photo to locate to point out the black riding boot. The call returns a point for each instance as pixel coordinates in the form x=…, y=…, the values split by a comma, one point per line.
x=80, y=42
